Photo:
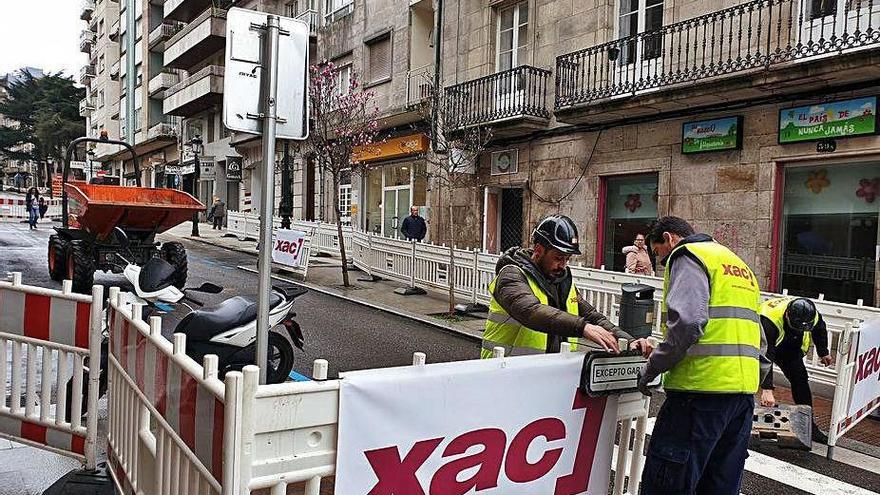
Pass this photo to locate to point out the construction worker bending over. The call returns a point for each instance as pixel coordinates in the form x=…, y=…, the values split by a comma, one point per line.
x=789, y=323
x=710, y=363
x=534, y=304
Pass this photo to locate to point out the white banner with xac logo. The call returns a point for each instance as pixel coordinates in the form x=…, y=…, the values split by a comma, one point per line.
x=493, y=426
x=289, y=247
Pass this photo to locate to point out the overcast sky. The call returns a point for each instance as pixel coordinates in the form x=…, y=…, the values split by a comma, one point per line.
x=42, y=34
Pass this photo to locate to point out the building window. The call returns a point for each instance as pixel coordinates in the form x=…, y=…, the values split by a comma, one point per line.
x=290, y=9
x=101, y=99
x=512, y=40
x=379, y=59
x=627, y=206
x=336, y=9
x=343, y=80
x=640, y=16
x=345, y=197
x=828, y=230
x=101, y=64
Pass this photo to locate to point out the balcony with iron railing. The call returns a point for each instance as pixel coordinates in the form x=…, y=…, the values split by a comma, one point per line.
x=87, y=9
x=86, y=73
x=187, y=10
x=86, y=106
x=313, y=18
x=199, y=39
x=163, y=81
x=511, y=101
x=195, y=93
x=167, y=128
x=419, y=82
x=162, y=33
x=86, y=40
x=748, y=50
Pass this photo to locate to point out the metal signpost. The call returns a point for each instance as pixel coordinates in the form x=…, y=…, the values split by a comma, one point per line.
x=264, y=51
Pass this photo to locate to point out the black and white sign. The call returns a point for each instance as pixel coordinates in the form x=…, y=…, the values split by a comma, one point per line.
x=207, y=170
x=242, y=105
x=233, y=168
x=605, y=373
x=179, y=169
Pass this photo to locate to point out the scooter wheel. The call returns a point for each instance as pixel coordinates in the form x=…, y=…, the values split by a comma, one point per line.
x=279, y=359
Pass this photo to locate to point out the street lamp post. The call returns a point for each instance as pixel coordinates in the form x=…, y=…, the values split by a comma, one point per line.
x=286, y=206
x=196, y=147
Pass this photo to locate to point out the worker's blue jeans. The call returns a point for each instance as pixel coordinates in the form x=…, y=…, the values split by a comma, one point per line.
x=699, y=444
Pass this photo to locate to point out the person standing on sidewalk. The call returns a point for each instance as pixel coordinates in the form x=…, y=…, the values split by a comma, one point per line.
x=32, y=204
x=534, y=304
x=638, y=260
x=218, y=211
x=710, y=361
x=790, y=324
x=413, y=227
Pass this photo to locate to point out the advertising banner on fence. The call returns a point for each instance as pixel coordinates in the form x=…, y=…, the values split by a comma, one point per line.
x=866, y=383
x=288, y=247
x=493, y=426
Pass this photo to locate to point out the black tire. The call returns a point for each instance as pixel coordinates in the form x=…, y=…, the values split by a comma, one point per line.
x=80, y=267
x=175, y=254
x=280, y=358
x=57, y=258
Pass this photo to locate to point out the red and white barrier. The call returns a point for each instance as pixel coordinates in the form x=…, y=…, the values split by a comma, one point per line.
x=16, y=209
x=44, y=335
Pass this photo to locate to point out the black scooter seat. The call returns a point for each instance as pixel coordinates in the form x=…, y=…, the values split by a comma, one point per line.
x=204, y=324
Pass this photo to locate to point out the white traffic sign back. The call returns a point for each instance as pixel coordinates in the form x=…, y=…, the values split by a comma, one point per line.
x=245, y=66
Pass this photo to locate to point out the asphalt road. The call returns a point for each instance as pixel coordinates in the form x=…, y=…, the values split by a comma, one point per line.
x=351, y=336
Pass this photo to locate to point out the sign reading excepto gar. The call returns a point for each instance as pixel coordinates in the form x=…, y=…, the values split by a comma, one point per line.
x=711, y=135
x=828, y=120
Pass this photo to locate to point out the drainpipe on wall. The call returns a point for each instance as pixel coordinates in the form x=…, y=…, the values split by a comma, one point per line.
x=130, y=76
x=438, y=38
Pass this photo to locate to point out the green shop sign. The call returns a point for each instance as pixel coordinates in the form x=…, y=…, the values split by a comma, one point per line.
x=828, y=120
x=711, y=135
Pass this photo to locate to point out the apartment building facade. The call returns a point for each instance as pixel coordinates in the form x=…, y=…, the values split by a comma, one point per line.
x=753, y=120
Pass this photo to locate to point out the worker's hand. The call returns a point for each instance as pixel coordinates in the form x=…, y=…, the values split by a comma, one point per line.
x=826, y=360
x=602, y=337
x=643, y=345
x=767, y=398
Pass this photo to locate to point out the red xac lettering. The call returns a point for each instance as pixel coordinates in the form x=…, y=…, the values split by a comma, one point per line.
x=867, y=364
x=397, y=476
x=288, y=247
x=741, y=272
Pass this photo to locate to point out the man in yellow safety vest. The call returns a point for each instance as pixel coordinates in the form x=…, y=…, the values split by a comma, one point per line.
x=534, y=304
x=710, y=364
x=790, y=324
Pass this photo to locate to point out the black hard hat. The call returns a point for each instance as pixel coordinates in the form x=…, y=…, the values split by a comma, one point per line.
x=557, y=232
x=800, y=314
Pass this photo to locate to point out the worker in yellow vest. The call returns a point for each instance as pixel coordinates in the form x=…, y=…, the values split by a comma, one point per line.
x=710, y=363
x=790, y=325
x=534, y=304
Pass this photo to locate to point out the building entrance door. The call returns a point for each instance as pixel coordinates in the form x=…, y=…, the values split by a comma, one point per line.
x=395, y=208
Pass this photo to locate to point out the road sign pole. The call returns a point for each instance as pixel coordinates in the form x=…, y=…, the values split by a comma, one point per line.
x=267, y=191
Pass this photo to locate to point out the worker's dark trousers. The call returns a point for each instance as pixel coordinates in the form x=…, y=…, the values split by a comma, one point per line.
x=792, y=366
x=699, y=444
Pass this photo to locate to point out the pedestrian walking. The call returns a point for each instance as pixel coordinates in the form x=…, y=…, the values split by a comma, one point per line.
x=32, y=204
x=638, y=260
x=790, y=325
x=217, y=212
x=44, y=207
x=710, y=363
x=413, y=227
x=534, y=303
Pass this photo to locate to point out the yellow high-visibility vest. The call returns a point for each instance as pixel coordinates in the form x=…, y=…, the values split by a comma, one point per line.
x=774, y=310
x=502, y=330
x=725, y=359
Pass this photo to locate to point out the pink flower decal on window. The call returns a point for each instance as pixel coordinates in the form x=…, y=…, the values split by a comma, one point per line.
x=633, y=202
x=869, y=189
x=817, y=181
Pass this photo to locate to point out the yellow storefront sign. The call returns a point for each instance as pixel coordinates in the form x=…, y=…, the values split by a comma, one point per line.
x=391, y=148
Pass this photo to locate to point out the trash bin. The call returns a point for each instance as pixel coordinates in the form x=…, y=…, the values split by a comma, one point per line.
x=637, y=310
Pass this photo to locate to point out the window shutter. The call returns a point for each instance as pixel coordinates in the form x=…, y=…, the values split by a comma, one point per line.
x=380, y=59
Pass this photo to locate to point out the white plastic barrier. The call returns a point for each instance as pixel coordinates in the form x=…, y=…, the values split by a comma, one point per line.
x=15, y=209
x=324, y=236
x=45, y=337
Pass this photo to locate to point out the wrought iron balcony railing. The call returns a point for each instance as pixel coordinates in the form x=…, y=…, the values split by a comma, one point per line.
x=751, y=36
x=514, y=93
x=419, y=83
x=313, y=18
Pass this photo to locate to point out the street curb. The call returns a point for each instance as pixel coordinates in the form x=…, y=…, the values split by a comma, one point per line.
x=340, y=295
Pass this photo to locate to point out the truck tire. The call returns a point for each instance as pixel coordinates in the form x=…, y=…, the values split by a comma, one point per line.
x=175, y=254
x=80, y=267
x=57, y=258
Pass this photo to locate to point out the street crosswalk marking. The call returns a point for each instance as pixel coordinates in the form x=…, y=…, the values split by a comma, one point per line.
x=802, y=478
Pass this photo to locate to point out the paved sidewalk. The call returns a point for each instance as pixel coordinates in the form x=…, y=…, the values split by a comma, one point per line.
x=325, y=276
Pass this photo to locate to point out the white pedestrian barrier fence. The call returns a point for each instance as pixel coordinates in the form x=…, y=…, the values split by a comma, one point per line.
x=45, y=337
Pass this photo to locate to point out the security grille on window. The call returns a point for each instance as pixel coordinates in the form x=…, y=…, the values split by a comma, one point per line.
x=380, y=59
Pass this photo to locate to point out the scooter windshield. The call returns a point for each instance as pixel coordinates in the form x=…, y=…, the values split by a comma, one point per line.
x=156, y=275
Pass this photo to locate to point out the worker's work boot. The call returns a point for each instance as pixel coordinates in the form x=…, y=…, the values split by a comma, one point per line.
x=818, y=435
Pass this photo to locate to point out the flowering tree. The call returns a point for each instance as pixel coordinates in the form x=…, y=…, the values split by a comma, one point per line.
x=343, y=118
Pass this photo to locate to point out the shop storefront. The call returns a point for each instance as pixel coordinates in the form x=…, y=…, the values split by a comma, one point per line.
x=394, y=180
x=628, y=204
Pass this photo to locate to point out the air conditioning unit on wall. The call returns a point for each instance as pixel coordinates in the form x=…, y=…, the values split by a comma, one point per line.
x=504, y=162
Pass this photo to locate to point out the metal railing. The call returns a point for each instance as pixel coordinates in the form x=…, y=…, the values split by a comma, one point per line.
x=752, y=36
x=419, y=82
x=211, y=70
x=518, y=92
x=313, y=17
x=163, y=32
x=166, y=128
